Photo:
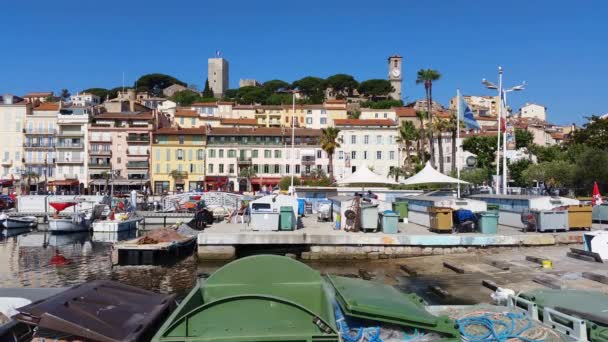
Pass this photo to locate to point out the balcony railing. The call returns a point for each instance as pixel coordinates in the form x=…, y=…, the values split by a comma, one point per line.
x=70, y=160
x=137, y=165
x=244, y=160
x=40, y=131
x=137, y=153
x=38, y=146
x=100, y=152
x=7, y=162
x=70, y=134
x=308, y=160
x=70, y=145
x=100, y=165
x=70, y=176
x=138, y=139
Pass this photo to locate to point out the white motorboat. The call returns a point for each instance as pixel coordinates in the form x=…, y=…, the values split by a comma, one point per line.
x=121, y=222
x=79, y=221
x=18, y=222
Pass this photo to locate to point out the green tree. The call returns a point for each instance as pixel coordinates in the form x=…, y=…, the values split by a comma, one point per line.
x=484, y=147
x=248, y=173
x=207, y=92
x=523, y=138
x=437, y=126
x=397, y=171
x=106, y=176
x=312, y=87
x=407, y=135
x=329, y=142
x=65, y=94
x=427, y=77
x=375, y=88
x=382, y=104
x=185, y=97
x=155, y=83
x=594, y=133
x=516, y=170
x=285, y=182
x=342, y=84
x=113, y=93
x=553, y=174
x=251, y=95
x=476, y=176
x=230, y=94
x=278, y=99
x=354, y=114
x=591, y=166
x=547, y=153
x=273, y=86
x=451, y=126
x=422, y=115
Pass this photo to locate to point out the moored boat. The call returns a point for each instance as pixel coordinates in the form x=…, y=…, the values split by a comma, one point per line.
x=79, y=221
x=121, y=222
x=18, y=222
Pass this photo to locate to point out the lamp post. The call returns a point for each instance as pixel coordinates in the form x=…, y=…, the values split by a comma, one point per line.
x=502, y=94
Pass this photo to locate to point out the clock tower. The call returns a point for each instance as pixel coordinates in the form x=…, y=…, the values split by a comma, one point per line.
x=395, y=76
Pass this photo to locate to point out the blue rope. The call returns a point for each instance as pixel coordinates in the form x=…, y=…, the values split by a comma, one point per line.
x=371, y=334
x=491, y=326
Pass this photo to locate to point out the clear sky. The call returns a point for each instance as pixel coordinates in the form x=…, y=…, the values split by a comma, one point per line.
x=559, y=47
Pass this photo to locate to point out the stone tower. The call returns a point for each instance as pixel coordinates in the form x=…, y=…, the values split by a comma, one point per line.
x=217, y=73
x=395, y=76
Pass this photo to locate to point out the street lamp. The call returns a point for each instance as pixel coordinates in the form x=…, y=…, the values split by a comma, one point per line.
x=502, y=94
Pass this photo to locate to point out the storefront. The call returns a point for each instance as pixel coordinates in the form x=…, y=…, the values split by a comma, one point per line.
x=258, y=183
x=216, y=183
x=66, y=187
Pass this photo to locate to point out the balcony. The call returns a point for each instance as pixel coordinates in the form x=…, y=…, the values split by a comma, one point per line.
x=100, y=140
x=7, y=163
x=243, y=160
x=39, y=146
x=144, y=139
x=308, y=160
x=39, y=131
x=67, y=146
x=100, y=165
x=100, y=152
x=138, y=165
x=137, y=153
x=70, y=176
x=69, y=134
x=69, y=160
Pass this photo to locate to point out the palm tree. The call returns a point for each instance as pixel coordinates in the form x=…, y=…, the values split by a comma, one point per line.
x=421, y=115
x=248, y=172
x=397, y=172
x=452, y=127
x=329, y=142
x=427, y=76
x=438, y=126
x=106, y=175
x=406, y=135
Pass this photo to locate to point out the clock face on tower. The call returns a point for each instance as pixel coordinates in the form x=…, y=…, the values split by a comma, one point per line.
x=396, y=72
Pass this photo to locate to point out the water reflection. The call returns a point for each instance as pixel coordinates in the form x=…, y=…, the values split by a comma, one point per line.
x=28, y=260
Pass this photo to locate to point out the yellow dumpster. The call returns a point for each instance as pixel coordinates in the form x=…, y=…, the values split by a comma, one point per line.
x=441, y=218
x=580, y=216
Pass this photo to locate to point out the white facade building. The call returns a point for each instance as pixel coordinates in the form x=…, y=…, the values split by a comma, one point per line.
x=72, y=155
x=366, y=143
x=84, y=99
x=533, y=110
x=369, y=113
x=13, y=111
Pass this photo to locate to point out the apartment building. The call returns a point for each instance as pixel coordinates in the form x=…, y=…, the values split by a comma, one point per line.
x=483, y=105
x=36, y=98
x=370, y=113
x=71, y=169
x=119, y=144
x=366, y=143
x=266, y=151
x=85, y=99
x=40, y=141
x=178, y=159
x=533, y=110
x=13, y=113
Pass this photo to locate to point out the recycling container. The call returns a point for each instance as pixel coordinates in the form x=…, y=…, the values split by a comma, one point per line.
x=551, y=220
x=389, y=221
x=369, y=217
x=493, y=208
x=286, y=218
x=488, y=222
x=263, y=217
x=600, y=213
x=441, y=218
x=579, y=216
x=301, y=206
x=401, y=208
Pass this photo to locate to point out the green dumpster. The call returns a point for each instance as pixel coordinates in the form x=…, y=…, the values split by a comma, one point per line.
x=401, y=207
x=286, y=218
x=493, y=208
x=488, y=222
x=389, y=221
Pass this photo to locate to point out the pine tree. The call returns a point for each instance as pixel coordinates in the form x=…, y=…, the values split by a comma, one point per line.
x=207, y=93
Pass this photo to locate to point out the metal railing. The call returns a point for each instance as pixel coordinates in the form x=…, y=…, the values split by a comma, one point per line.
x=36, y=145
x=138, y=165
x=70, y=145
x=100, y=152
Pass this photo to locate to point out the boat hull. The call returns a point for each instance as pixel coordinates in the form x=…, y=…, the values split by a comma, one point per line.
x=116, y=225
x=20, y=222
x=68, y=225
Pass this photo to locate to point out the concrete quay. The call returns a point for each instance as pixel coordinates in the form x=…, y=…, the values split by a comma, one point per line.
x=321, y=242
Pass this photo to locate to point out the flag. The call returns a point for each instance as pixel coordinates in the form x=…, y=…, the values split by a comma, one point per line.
x=597, y=197
x=503, y=125
x=466, y=114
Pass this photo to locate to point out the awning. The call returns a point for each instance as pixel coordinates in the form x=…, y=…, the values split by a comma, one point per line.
x=66, y=182
x=265, y=180
x=120, y=182
x=364, y=175
x=429, y=175
x=6, y=182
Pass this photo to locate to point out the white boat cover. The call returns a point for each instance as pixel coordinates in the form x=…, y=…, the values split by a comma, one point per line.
x=430, y=175
x=364, y=175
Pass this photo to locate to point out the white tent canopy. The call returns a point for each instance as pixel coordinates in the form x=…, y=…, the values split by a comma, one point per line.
x=364, y=175
x=430, y=175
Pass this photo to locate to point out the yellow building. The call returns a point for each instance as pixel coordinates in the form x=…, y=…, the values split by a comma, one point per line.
x=178, y=159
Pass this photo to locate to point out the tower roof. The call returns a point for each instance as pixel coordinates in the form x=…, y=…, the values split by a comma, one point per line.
x=394, y=56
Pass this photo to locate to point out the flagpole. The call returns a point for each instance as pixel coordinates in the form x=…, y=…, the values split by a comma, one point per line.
x=458, y=161
x=498, y=132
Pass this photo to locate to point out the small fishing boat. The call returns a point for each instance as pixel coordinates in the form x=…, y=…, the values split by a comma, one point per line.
x=18, y=222
x=79, y=221
x=120, y=222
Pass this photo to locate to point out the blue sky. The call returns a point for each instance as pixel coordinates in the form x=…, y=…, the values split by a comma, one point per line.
x=559, y=47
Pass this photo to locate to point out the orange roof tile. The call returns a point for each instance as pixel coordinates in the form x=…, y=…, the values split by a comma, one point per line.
x=364, y=122
x=181, y=131
x=124, y=116
x=189, y=113
x=39, y=94
x=47, y=106
x=262, y=131
x=204, y=104
x=336, y=101
x=405, y=112
x=239, y=121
